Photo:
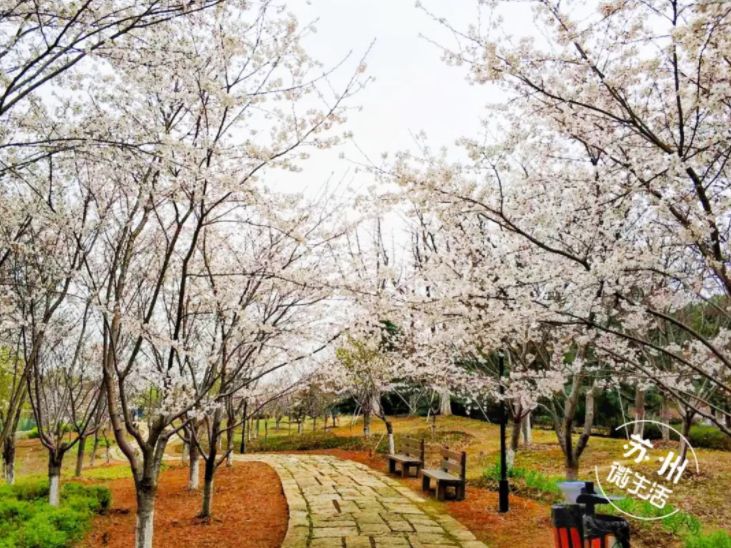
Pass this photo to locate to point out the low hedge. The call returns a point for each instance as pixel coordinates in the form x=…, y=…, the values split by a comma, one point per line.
x=709, y=437
x=28, y=521
x=305, y=442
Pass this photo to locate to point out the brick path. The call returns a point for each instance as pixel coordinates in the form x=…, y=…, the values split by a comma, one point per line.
x=334, y=502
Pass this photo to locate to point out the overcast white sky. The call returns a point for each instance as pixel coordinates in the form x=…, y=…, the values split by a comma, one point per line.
x=413, y=89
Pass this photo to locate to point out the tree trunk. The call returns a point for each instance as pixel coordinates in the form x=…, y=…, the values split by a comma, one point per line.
x=572, y=468
x=229, y=448
x=9, y=441
x=687, y=423
x=242, y=445
x=107, y=448
x=366, y=423
x=145, y=518
x=299, y=426
x=563, y=426
x=94, y=449
x=413, y=404
x=573, y=455
x=193, y=467
x=55, y=459
x=639, y=427
x=375, y=405
x=80, y=451
x=389, y=430
x=9, y=459
x=665, y=419
x=527, y=431
x=209, y=463
x=208, y=476
x=445, y=402
x=515, y=433
x=314, y=423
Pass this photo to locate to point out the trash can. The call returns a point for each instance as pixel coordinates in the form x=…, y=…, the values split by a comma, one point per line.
x=602, y=531
x=577, y=526
x=567, y=525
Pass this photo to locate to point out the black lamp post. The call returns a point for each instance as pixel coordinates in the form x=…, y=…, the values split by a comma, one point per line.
x=504, y=489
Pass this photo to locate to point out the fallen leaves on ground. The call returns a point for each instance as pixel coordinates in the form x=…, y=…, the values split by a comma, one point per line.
x=249, y=510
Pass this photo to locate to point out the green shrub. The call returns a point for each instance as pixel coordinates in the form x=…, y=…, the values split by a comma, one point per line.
x=718, y=539
x=31, y=489
x=710, y=437
x=94, y=498
x=28, y=521
x=306, y=442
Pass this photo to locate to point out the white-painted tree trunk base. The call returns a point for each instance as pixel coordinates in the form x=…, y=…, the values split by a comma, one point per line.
x=194, y=478
x=54, y=490
x=144, y=529
x=445, y=402
x=527, y=430
x=10, y=473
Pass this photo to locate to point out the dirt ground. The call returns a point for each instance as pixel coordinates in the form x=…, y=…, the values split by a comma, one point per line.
x=249, y=511
x=527, y=524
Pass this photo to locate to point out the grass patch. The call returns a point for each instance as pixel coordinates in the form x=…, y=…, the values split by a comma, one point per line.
x=28, y=521
x=541, y=485
x=111, y=472
x=306, y=442
x=717, y=539
x=680, y=524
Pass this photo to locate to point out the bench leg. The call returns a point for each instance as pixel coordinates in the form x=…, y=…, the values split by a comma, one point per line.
x=391, y=466
x=460, y=491
x=404, y=470
x=424, y=483
x=441, y=490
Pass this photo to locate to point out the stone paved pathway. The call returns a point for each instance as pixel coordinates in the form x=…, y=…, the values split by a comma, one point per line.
x=340, y=503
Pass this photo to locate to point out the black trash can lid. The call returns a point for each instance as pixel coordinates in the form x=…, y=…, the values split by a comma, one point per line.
x=566, y=515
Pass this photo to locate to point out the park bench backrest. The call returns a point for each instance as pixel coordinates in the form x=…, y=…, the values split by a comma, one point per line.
x=412, y=447
x=454, y=462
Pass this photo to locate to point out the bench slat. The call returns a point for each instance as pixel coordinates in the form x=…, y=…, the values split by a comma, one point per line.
x=451, y=455
x=440, y=475
x=400, y=457
x=452, y=466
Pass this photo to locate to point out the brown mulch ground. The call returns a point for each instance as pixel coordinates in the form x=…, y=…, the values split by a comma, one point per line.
x=527, y=524
x=249, y=510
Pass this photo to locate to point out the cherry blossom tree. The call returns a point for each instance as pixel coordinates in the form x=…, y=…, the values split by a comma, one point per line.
x=604, y=186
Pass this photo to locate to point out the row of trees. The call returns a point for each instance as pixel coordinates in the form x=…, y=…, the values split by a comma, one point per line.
x=151, y=281
x=585, y=236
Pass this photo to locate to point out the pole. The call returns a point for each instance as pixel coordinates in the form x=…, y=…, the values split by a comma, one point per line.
x=504, y=489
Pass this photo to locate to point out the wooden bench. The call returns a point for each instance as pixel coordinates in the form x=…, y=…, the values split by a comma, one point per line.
x=410, y=456
x=451, y=473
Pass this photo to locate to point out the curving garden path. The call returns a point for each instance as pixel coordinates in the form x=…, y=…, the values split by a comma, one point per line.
x=341, y=503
